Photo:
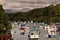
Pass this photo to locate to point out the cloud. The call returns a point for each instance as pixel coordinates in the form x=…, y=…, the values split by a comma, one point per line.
x=27, y=3
x=41, y=1
x=2, y=2
x=12, y=5
x=24, y=5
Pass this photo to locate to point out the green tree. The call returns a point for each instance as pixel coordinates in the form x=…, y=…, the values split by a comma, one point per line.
x=3, y=16
x=1, y=26
x=9, y=26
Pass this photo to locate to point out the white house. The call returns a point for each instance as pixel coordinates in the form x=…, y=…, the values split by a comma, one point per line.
x=52, y=30
x=47, y=27
x=14, y=24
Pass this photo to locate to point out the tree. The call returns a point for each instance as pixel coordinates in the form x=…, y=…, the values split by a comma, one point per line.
x=1, y=26
x=9, y=26
x=3, y=16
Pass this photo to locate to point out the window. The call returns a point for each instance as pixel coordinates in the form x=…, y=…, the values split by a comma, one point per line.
x=53, y=27
x=31, y=33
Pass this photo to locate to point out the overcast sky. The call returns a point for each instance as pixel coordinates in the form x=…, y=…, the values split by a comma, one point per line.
x=8, y=4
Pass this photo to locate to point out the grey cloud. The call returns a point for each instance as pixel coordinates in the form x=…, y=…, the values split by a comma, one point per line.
x=36, y=1
x=2, y=2
x=9, y=4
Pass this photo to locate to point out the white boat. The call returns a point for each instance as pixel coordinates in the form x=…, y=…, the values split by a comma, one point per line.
x=34, y=33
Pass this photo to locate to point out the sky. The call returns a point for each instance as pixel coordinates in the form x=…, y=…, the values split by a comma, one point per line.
x=11, y=4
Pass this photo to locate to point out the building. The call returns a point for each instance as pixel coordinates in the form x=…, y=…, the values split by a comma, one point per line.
x=51, y=29
x=5, y=37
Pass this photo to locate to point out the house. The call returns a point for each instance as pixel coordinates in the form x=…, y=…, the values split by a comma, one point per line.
x=14, y=24
x=5, y=37
x=47, y=27
x=52, y=30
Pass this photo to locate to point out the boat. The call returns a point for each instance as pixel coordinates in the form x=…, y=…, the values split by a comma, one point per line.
x=34, y=33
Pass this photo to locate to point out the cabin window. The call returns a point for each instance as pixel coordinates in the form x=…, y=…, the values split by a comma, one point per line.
x=31, y=33
x=53, y=27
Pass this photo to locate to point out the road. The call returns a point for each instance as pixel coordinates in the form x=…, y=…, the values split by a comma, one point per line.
x=18, y=36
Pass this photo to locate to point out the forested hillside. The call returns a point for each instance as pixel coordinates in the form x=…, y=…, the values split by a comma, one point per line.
x=46, y=14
